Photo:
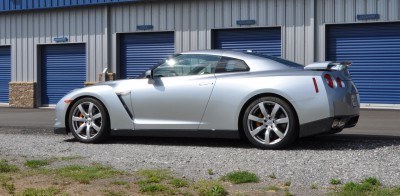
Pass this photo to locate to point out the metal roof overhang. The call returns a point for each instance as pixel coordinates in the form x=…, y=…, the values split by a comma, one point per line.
x=23, y=5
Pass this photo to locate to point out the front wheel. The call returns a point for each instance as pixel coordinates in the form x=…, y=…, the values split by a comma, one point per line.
x=270, y=123
x=88, y=121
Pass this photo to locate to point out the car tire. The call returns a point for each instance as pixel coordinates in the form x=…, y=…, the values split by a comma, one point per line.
x=270, y=123
x=88, y=121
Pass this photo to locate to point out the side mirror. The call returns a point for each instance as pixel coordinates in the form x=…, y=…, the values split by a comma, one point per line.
x=149, y=74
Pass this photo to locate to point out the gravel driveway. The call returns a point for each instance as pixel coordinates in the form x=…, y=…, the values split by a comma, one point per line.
x=311, y=160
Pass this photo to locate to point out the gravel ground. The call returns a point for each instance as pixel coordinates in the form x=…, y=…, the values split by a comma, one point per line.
x=312, y=160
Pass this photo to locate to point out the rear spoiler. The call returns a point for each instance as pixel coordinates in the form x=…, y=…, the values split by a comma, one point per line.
x=328, y=65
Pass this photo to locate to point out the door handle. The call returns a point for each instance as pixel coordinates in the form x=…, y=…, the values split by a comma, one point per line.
x=205, y=83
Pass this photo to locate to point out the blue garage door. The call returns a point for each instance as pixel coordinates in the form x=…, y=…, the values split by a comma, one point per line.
x=374, y=50
x=5, y=73
x=141, y=51
x=63, y=69
x=263, y=40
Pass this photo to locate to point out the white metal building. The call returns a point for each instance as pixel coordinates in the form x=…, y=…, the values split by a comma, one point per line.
x=49, y=47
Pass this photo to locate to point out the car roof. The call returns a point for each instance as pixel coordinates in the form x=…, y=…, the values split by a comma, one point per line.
x=256, y=63
x=229, y=53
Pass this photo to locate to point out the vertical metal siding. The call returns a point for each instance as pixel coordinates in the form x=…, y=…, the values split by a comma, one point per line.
x=374, y=50
x=63, y=69
x=141, y=51
x=263, y=40
x=193, y=21
x=5, y=73
x=25, y=30
x=303, y=33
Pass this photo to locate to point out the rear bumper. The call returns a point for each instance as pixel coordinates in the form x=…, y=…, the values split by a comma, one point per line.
x=325, y=125
x=60, y=131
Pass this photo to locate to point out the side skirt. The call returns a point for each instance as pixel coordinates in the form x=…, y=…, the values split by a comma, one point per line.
x=178, y=133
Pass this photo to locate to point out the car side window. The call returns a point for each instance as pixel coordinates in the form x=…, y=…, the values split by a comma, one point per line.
x=228, y=64
x=187, y=64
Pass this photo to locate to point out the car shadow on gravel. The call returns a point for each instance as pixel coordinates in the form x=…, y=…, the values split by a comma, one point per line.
x=176, y=141
x=321, y=142
x=345, y=142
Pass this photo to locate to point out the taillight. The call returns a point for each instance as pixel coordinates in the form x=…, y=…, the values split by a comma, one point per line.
x=339, y=82
x=329, y=80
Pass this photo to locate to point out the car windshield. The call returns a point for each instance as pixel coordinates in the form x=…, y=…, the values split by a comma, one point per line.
x=279, y=60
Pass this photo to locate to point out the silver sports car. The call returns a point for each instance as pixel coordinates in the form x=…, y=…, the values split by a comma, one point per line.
x=267, y=100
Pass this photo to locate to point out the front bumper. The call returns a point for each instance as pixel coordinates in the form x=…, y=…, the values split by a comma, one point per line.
x=326, y=125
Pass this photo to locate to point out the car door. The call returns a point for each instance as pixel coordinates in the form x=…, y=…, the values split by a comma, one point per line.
x=177, y=94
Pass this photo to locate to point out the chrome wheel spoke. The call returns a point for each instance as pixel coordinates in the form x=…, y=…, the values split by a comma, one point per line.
x=87, y=132
x=267, y=138
x=274, y=110
x=95, y=127
x=97, y=116
x=255, y=118
x=257, y=130
x=79, y=130
x=82, y=110
x=282, y=120
x=90, y=110
x=78, y=119
x=262, y=108
x=277, y=132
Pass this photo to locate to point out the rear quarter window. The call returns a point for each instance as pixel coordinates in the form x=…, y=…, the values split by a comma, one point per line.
x=228, y=64
x=288, y=63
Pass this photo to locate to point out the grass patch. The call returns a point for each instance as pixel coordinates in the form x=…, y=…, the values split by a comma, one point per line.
x=41, y=192
x=313, y=186
x=7, y=184
x=287, y=183
x=120, y=183
x=210, y=188
x=85, y=174
x=36, y=163
x=5, y=167
x=113, y=193
x=152, y=179
x=9, y=187
x=179, y=183
x=152, y=188
x=272, y=188
x=335, y=181
x=369, y=186
x=210, y=172
x=240, y=177
x=288, y=193
x=70, y=158
x=272, y=176
x=156, y=175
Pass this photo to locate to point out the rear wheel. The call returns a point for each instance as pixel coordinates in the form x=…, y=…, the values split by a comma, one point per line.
x=270, y=123
x=88, y=121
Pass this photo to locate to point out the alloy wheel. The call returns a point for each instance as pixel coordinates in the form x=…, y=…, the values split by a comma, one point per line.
x=87, y=120
x=268, y=122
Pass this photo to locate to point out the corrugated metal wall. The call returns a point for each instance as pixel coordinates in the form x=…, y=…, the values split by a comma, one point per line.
x=194, y=20
x=303, y=38
x=24, y=31
x=345, y=11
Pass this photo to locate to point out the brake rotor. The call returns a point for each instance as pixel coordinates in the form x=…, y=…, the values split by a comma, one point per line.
x=81, y=116
x=258, y=123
